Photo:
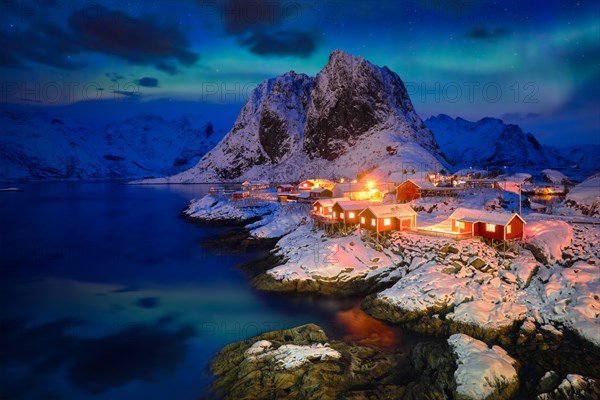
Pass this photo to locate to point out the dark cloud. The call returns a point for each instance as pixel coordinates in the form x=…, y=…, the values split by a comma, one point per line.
x=282, y=43
x=263, y=27
x=126, y=93
x=140, y=41
x=148, y=82
x=43, y=43
x=483, y=33
x=148, y=302
x=95, y=28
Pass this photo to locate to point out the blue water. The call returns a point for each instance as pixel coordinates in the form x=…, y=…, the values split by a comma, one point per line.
x=106, y=293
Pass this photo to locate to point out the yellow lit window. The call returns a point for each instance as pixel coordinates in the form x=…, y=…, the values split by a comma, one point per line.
x=321, y=210
x=387, y=221
x=334, y=214
x=315, y=208
x=351, y=215
x=362, y=220
x=329, y=209
x=509, y=229
x=457, y=223
x=342, y=215
x=490, y=228
x=373, y=222
x=462, y=225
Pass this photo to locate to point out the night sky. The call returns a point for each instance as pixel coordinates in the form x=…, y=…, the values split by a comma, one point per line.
x=534, y=63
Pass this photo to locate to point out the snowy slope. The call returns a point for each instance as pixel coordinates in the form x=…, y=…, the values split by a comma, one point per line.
x=39, y=146
x=490, y=143
x=354, y=117
x=584, y=157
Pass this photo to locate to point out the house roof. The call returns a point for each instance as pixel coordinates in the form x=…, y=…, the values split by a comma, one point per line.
x=348, y=205
x=391, y=210
x=319, y=190
x=329, y=201
x=285, y=185
x=471, y=215
x=422, y=183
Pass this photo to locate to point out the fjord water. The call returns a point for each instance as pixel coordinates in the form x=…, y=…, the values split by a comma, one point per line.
x=107, y=293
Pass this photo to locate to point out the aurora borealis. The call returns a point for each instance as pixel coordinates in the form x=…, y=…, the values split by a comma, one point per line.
x=533, y=63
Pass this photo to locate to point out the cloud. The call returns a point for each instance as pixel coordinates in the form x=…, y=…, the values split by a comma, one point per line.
x=262, y=26
x=95, y=28
x=43, y=43
x=130, y=94
x=114, y=76
x=148, y=82
x=140, y=41
x=483, y=33
x=282, y=43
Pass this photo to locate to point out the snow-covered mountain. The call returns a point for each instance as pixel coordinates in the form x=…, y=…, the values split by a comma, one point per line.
x=352, y=118
x=584, y=157
x=42, y=146
x=490, y=142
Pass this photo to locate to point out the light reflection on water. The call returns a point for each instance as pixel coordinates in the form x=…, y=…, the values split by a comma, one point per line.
x=105, y=294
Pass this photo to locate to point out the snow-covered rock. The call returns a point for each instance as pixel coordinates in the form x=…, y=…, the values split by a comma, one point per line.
x=555, y=177
x=482, y=371
x=548, y=239
x=291, y=356
x=586, y=196
x=570, y=298
x=210, y=208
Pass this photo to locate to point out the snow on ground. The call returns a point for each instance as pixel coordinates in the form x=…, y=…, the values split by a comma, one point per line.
x=569, y=296
x=550, y=237
x=481, y=370
x=308, y=255
x=473, y=281
x=586, y=195
x=554, y=176
x=285, y=218
x=211, y=208
x=290, y=356
x=428, y=289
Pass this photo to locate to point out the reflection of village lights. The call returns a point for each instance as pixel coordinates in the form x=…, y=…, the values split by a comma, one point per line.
x=341, y=180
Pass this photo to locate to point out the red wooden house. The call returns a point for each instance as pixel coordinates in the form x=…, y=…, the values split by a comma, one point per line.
x=240, y=194
x=285, y=188
x=390, y=217
x=491, y=225
x=319, y=193
x=310, y=184
x=347, y=211
x=412, y=189
x=324, y=207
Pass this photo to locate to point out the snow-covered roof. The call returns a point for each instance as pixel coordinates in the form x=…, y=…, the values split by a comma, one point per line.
x=329, y=201
x=319, y=190
x=422, y=183
x=352, y=205
x=391, y=210
x=471, y=215
x=286, y=185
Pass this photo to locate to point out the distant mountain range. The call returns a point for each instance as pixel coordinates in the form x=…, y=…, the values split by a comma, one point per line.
x=353, y=119
x=42, y=146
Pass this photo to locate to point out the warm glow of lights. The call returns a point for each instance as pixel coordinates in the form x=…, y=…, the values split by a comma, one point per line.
x=370, y=185
x=365, y=330
x=341, y=180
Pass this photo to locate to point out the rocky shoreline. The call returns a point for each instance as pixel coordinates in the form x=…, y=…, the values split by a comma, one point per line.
x=439, y=287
